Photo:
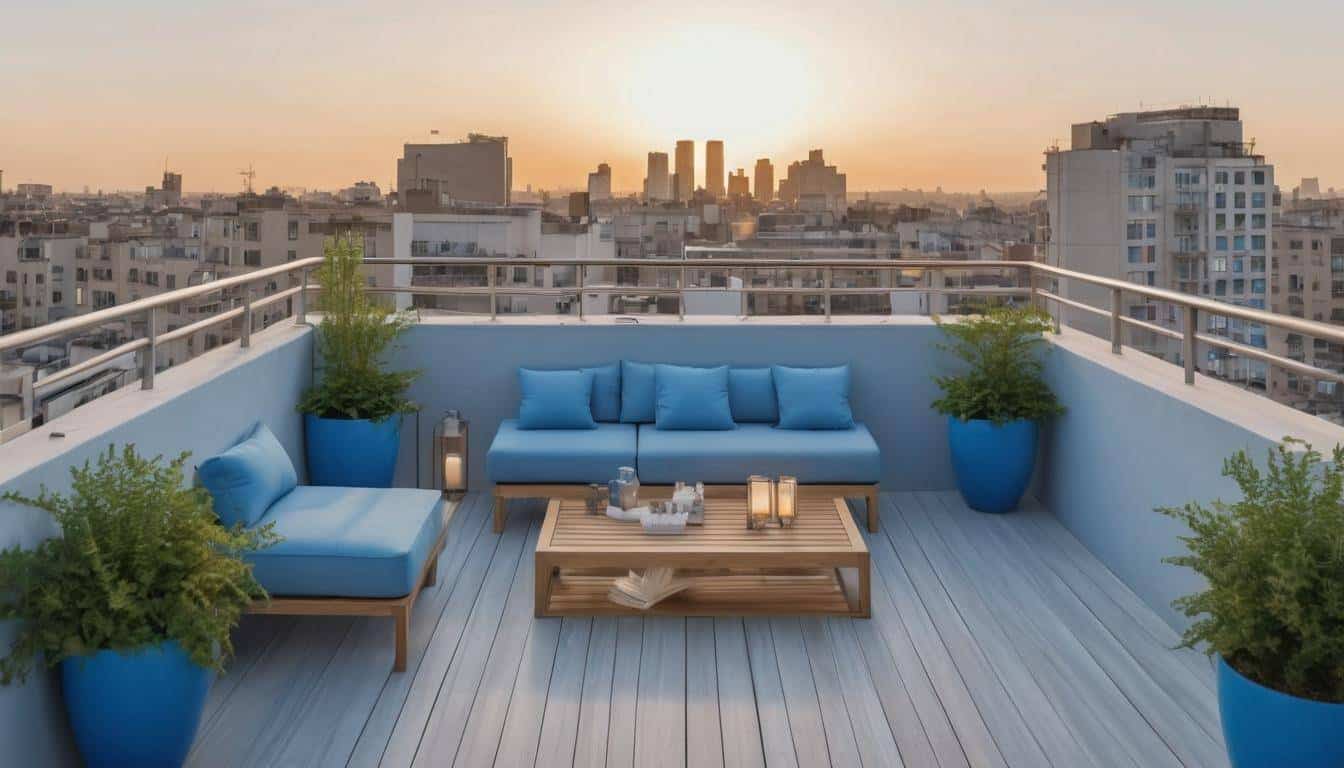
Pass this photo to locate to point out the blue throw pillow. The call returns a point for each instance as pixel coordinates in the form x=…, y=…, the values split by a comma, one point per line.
x=606, y=392
x=692, y=398
x=751, y=393
x=555, y=399
x=247, y=479
x=813, y=398
x=636, y=392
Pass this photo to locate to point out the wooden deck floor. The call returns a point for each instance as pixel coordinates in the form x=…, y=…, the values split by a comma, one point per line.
x=994, y=641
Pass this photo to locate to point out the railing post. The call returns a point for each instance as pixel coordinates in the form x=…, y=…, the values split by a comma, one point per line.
x=301, y=307
x=1059, y=308
x=150, y=359
x=490, y=283
x=1115, y=320
x=578, y=286
x=1033, y=289
x=1188, y=343
x=826, y=275
x=245, y=340
x=681, y=293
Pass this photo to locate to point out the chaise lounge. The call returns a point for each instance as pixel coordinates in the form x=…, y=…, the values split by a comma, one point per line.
x=343, y=551
x=712, y=425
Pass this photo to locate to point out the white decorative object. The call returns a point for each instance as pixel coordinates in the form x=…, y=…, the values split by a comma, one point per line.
x=643, y=591
x=626, y=515
x=664, y=522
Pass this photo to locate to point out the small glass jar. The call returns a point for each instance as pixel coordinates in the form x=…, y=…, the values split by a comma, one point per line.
x=629, y=490
x=595, y=502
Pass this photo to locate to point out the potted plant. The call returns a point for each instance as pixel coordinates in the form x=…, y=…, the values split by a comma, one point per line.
x=994, y=405
x=352, y=415
x=133, y=602
x=1273, y=609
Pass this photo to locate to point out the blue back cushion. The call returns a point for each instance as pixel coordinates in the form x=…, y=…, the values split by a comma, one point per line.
x=606, y=392
x=637, y=392
x=555, y=399
x=247, y=479
x=692, y=398
x=751, y=393
x=813, y=398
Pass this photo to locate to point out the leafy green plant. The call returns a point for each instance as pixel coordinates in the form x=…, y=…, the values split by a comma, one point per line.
x=1274, y=563
x=1002, y=380
x=355, y=333
x=141, y=559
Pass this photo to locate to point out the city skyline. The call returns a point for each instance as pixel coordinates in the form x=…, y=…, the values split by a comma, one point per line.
x=109, y=101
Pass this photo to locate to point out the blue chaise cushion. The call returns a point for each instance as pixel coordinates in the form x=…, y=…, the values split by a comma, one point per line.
x=246, y=480
x=606, y=392
x=637, y=392
x=560, y=455
x=692, y=398
x=348, y=542
x=813, y=398
x=837, y=456
x=751, y=393
x=555, y=399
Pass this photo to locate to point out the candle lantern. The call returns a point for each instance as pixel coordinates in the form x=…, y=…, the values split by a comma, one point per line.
x=786, y=500
x=450, y=454
x=760, y=501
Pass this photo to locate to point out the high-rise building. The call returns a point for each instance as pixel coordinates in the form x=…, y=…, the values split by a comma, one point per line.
x=714, y=168
x=657, y=183
x=599, y=183
x=812, y=185
x=738, y=185
x=685, y=170
x=478, y=170
x=1169, y=198
x=765, y=180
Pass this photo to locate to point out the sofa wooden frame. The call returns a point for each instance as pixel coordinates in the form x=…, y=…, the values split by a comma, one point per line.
x=506, y=491
x=399, y=608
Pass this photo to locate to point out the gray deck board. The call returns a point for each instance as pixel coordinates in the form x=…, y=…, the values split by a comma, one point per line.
x=994, y=641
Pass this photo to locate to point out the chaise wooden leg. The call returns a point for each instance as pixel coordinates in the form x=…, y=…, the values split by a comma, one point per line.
x=500, y=513
x=432, y=575
x=871, y=500
x=401, y=616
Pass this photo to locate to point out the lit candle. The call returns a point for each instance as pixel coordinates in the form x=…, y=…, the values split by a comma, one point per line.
x=759, y=501
x=786, y=500
x=452, y=473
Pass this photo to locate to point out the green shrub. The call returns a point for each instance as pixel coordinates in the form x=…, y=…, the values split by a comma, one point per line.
x=355, y=333
x=1274, y=563
x=141, y=559
x=1002, y=381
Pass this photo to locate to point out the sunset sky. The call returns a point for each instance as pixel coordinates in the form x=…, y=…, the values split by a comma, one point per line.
x=960, y=94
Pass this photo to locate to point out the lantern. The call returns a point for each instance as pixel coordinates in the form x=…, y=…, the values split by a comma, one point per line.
x=450, y=454
x=760, y=501
x=786, y=500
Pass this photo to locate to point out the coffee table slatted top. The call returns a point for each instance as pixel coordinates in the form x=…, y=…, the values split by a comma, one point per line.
x=823, y=525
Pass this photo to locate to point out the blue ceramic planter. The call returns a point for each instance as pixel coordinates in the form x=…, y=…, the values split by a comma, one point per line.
x=352, y=452
x=138, y=708
x=993, y=464
x=1263, y=727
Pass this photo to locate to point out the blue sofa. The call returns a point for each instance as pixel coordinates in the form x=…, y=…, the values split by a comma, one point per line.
x=525, y=461
x=342, y=551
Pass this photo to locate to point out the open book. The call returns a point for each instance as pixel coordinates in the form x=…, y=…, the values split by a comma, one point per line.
x=647, y=590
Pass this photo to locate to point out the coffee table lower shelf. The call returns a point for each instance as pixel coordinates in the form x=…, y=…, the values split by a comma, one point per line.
x=802, y=592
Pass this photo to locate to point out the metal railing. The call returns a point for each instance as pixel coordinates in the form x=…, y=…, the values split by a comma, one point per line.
x=1041, y=289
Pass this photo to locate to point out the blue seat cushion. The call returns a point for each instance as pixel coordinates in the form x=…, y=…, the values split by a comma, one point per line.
x=560, y=455
x=348, y=542
x=556, y=399
x=246, y=479
x=840, y=456
x=813, y=398
x=751, y=392
x=637, y=392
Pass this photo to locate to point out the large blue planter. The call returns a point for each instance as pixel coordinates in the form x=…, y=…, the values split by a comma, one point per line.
x=1263, y=727
x=993, y=464
x=137, y=708
x=352, y=452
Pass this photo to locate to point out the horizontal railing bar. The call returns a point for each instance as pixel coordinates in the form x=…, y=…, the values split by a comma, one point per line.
x=1286, y=363
x=1049, y=296
x=463, y=261
x=1147, y=326
x=96, y=361
x=200, y=325
x=437, y=290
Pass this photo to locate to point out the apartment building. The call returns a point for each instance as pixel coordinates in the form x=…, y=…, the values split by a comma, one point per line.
x=657, y=181
x=683, y=180
x=1166, y=198
x=1307, y=281
x=478, y=170
x=812, y=185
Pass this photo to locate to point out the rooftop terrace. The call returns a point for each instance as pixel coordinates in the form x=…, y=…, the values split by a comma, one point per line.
x=1044, y=637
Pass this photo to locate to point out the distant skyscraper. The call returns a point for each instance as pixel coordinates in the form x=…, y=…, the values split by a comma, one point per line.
x=685, y=170
x=599, y=183
x=657, y=184
x=738, y=186
x=765, y=180
x=814, y=185
x=714, y=168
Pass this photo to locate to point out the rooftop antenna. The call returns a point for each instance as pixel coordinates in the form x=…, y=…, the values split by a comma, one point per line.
x=248, y=175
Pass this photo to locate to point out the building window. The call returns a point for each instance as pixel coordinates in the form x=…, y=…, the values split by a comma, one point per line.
x=1257, y=221
x=291, y=255
x=1258, y=177
x=56, y=297
x=1257, y=242
x=1238, y=199
x=252, y=258
x=1239, y=177
x=252, y=231
x=1257, y=199
x=1220, y=221
x=1238, y=242
x=1219, y=287
x=1137, y=203
x=1220, y=177
x=1220, y=243
x=293, y=229
x=152, y=278
x=1219, y=199
x=171, y=282
x=133, y=275
x=1258, y=285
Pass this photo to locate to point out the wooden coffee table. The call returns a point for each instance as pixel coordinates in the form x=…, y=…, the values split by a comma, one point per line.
x=819, y=566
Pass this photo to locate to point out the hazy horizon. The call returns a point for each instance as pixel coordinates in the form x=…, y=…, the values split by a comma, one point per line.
x=965, y=96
